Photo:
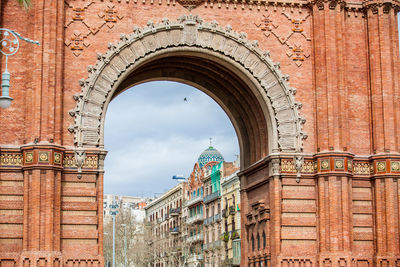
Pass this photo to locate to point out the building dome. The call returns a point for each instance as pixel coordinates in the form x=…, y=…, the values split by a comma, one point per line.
x=208, y=155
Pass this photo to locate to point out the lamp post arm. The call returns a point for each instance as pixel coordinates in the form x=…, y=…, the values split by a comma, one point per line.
x=9, y=45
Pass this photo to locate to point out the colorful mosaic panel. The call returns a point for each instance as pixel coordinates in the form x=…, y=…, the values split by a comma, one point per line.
x=29, y=157
x=57, y=158
x=380, y=166
x=339, y=164
x=325, y=166
x=44, y=156
x=395, y=166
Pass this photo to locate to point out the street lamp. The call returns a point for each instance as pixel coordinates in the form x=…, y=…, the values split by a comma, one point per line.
x=113, y=212
x=126, y=259
x=9, y=46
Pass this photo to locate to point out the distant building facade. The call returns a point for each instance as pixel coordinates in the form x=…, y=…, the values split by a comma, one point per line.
x=187, y=225
x=231, y=218
x=164, y=223
x=135, y=205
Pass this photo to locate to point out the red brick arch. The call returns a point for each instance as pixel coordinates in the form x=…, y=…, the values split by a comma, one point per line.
x=260, y=84
x=329, y=200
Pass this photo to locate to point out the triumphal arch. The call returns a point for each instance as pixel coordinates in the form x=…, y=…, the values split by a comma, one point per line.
x=311, y=87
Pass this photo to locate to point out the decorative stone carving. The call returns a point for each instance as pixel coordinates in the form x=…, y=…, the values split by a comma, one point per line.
x=275, y=167
x=79, y=40
x=295, y=40
x=189, y=32
x=299, y=166
x=80, y=159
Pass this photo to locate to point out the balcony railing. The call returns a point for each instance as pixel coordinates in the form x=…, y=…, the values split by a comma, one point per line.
x=213, y=219
x=209, y=220
x=175, y=212
x=195, y=238
x=194, y=200
x=195, y=219
x=174, y=230
x=213, y=245
x=217, y=217
x=211, y=197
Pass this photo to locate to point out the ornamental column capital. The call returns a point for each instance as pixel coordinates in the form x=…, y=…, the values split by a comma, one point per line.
x=384, y=5
x=325, y=4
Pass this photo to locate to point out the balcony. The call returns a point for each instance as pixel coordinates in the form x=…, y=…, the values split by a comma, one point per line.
x=213, y=219
x=195, y=219
x=211, y=197
x=209, y=220
x=174, y=231
x=195, y=238
x=175, y=212
x=213, y=245
x=217, y=217
x=231, y=210
x=193, y=201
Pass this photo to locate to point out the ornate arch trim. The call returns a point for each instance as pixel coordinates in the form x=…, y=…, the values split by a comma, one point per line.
x=187, y=31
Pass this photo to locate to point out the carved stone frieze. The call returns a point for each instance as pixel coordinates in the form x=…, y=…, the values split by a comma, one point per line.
x=90, y=162
x=188, y=33
x=10, y=160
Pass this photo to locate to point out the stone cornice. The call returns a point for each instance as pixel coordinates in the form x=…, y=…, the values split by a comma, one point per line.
x=374, y=5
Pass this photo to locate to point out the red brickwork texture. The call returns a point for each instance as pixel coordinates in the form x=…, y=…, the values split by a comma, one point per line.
x=337, y=207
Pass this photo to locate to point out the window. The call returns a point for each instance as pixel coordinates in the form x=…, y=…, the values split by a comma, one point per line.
x=264, y=241
x=252, y=242
x=258, y=241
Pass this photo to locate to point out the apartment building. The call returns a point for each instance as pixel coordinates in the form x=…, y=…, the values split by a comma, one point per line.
x=231, y=218
x=164, y=224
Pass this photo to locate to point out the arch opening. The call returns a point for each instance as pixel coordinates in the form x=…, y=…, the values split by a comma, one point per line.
x=223, y=85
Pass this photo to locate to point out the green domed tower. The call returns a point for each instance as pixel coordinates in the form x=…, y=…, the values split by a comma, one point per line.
x=208, y=155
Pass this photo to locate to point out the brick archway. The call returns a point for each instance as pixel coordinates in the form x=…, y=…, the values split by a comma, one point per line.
x=329, y=200
x=249, y=85
x=269, y=98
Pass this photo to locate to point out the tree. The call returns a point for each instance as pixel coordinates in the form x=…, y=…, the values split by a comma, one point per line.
x=25, y=3
x=134, y=237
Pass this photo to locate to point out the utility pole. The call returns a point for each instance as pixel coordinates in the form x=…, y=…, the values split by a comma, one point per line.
x=126, y=259
x=113, y=212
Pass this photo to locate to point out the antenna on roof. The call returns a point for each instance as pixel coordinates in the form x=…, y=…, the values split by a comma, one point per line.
x=210, y=141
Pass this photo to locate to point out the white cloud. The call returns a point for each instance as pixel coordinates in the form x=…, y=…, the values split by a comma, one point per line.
x=152, y=134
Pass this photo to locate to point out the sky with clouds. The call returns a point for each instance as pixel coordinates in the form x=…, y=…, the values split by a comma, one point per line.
x=151, y=134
